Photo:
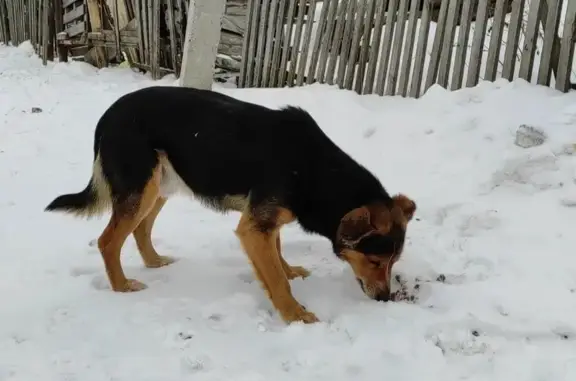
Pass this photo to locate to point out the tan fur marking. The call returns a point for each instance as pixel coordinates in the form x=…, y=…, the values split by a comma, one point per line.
x=261, y=248
x=403, y=210
x=143, y=237
x=237, y=203
x=373, y=271
x=119, y=228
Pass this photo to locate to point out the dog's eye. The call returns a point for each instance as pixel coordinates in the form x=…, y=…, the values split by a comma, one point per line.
x=376, y=264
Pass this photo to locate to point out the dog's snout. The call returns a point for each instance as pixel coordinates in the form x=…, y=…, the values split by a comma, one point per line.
x=383, y=296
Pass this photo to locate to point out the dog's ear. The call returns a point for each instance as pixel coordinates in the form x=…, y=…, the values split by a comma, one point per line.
x=406, y=205
x=360, y=221
x=354, y=225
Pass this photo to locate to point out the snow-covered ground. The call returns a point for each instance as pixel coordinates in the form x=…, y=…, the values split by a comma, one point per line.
x=493, y=246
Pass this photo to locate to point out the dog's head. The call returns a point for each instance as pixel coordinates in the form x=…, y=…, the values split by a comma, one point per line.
x=371, y=240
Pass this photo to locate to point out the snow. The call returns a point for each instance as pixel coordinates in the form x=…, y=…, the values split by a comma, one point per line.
x=495, y=222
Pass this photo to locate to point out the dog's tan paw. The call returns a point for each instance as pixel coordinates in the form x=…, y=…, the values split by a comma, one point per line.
x=297, y=272
x=132, y=285
x=160, y=262
x=299, y=314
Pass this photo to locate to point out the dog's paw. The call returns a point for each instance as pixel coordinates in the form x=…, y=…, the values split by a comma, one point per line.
x=161, y=261
x=132, y=285
x=297, y=272
x=299, y=314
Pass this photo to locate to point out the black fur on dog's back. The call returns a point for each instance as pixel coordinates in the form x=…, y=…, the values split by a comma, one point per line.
x=222, y=147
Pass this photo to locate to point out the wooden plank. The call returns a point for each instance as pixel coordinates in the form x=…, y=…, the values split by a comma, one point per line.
x=252, y=43
x=353, y=55
x=269, y=46
x=11, y=27
x=263, y=25
x=385, y=52
x=59, y=21
x=422, y=44
x=337, y=41
x=51, y=31
x=24, y=19
x=23, y=24
x=94, y=15
x=357, y=22
x=98, y=56
x=315, y=54
x=392, y=79
x=287, y=43
x=73, y=14
x=365, y=44
x=408, y=49
x=306, y=43
x=462, y=46
x=16, y=16
x=45, y=32
x=129, y=37
x=328, y=33
x=296, y=44
x=495, y=41
x=12, y=20
x=433, y=65
x=343, y=52
x=514, y=28
x=155, y=43
x=29, y=5
x=550, y=33
x=278, y=42
x=246, y=44
x=112, y=45
x=448, y=43
x=567, y=49
x=172, y=31
x=375, y=48
x=76, y=29
x=67, y=3
x=530, y=40
x=477, y=43
x=4, y=22
x=144, y=26
x=438, y=44
x=116, y=27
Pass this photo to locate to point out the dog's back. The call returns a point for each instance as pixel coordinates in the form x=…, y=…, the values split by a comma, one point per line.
x=220, y=147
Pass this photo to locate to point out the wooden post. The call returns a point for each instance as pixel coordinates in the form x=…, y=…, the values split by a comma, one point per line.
x=201, y=44
x=59, y=21
x=51, y=30
x=566, y=55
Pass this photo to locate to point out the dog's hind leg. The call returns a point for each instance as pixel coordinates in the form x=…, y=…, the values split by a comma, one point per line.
x=292, y=272
x=258, y=230
x=126, y=217
x=143, y=237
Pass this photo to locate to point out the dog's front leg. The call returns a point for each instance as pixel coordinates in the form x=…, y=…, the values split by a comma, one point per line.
x=260, y=246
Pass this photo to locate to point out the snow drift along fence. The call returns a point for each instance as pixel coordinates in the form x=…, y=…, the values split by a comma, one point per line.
x=22, y=20
x=380, y=46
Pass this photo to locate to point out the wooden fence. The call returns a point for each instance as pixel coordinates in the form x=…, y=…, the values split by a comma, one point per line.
x=149, y=34
x=380, y=46
x=387, y=47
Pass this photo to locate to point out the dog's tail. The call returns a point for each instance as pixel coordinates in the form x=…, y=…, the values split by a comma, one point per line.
x=94, y=200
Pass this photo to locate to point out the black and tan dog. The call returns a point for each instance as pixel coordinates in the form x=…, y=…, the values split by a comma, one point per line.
x=272, y=166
